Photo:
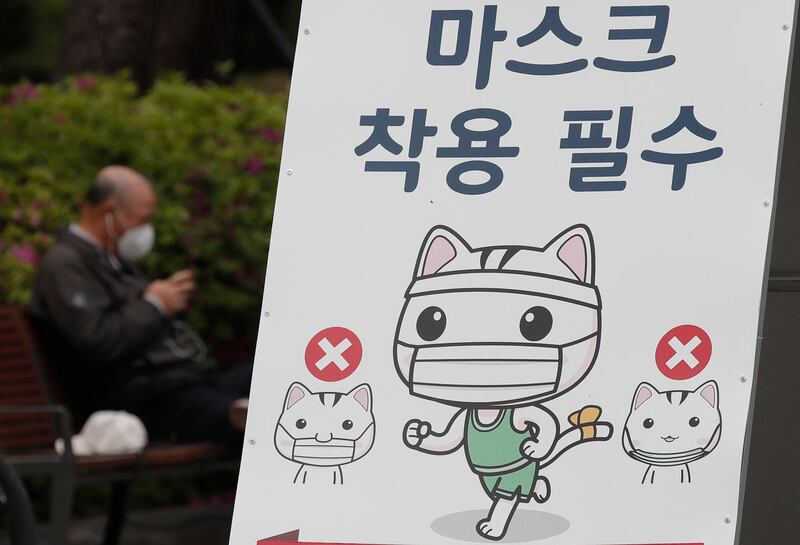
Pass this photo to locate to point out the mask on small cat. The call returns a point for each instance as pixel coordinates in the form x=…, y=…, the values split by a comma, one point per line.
x=327, y=428
x=673, y=428
x=500, y=325
x=676, y=459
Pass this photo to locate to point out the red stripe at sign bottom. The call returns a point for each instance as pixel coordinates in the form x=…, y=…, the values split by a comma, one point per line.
x=291, y=538
x=273, y=542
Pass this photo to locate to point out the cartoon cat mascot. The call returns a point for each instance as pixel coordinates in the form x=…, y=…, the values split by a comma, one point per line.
x=495, y=332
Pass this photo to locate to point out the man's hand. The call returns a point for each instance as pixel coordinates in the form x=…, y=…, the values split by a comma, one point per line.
x=174, y=292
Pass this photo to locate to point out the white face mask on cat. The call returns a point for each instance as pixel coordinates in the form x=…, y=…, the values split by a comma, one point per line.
x=673, y=428
x=135, y=243
x=327, y=428
x=500, y=325
x=666, y=460
x=334, y=452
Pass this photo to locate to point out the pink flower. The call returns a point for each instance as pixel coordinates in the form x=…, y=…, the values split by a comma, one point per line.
x=24, y=253
x=85, y=83
x=254, y=165
x=268, y=134
x=21, y=93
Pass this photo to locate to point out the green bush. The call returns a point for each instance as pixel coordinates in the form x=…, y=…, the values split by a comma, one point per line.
x=211, y=151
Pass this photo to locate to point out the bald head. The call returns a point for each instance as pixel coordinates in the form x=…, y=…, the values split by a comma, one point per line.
x=118, y=183
x=119, y=193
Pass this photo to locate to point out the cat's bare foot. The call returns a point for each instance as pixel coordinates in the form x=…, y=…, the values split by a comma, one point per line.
x=495, y=525
x=237, y=413
x=491, y=530
x=541, y=490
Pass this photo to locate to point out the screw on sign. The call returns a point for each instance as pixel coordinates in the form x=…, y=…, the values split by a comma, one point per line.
x=333, y=354
x=683, y=352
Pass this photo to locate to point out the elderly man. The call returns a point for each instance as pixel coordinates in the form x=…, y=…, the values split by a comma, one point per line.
x=113, y=334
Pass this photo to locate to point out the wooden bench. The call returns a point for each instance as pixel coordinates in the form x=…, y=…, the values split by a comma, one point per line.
x=31, y=419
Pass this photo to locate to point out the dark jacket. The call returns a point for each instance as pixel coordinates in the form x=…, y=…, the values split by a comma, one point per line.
x=103, y=336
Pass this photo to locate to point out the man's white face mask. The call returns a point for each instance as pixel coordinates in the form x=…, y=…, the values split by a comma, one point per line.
x=135, y=243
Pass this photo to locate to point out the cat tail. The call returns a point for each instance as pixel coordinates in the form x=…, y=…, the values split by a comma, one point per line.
x=586, y=427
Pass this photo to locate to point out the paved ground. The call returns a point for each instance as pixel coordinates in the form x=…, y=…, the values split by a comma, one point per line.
x=174, y=526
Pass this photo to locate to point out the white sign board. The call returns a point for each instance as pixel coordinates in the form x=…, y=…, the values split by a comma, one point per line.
x=516, y=273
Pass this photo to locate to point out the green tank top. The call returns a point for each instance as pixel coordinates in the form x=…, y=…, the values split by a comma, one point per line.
x=495, y=448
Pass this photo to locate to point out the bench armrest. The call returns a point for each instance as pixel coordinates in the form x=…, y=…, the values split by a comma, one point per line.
x=59, y=413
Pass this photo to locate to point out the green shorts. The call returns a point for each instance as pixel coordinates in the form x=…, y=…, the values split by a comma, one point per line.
x=519, y=483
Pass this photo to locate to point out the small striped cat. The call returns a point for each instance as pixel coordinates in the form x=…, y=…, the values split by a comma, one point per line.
x=670, y=430
x=324, y=431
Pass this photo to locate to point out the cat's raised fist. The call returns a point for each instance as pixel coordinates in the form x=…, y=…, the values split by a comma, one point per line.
x=415, y=432
x=531, y=448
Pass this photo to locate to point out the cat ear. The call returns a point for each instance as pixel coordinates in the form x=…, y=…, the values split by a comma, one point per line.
x=710, y=392
x=296, y=392
x=575, y=249
x=644, y=392
x=441, y=246
x=363, y=396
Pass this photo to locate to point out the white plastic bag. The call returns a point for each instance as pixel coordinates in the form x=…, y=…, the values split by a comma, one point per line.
x=108, y=432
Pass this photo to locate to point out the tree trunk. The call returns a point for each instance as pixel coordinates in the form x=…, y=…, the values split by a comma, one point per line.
x=147, y=36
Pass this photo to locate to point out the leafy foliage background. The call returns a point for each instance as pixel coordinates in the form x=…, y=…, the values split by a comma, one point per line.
x=212, y=153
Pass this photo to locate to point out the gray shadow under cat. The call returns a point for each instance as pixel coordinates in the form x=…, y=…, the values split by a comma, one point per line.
x=525, y=526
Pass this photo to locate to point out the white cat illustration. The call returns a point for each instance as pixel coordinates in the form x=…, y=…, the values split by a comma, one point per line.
x=324, y=431
x=672, y=429
x=495, y=332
